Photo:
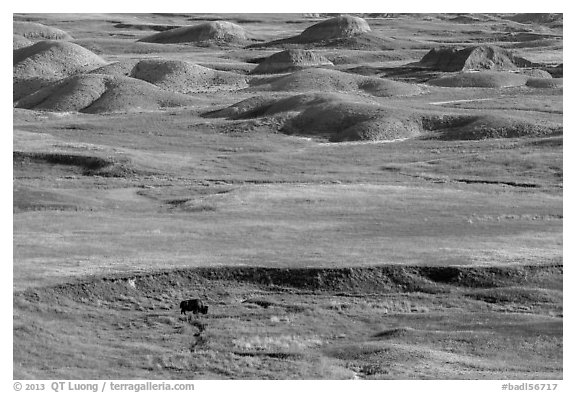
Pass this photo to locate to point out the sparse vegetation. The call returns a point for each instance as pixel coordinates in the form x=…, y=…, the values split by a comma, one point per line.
x=367, y=336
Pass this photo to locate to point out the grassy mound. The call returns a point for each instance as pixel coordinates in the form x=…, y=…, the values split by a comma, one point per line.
x=219, y=32
x=19, y=41
x=291, y=60
x=538, y=18
x=318, y=79
x=484, y=57
x=545, y=83
x=536, y=73
x=343, y=118
x=492, y=79
x=183, y=77
x=175, y=75
x=96, y=93
x=37, y=31
x=483, y=126
x=345, y=31
x=335, y=117
x=343, y=26
x=45, y=62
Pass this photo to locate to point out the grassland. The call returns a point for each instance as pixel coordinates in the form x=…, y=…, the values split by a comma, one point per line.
x=433, y=257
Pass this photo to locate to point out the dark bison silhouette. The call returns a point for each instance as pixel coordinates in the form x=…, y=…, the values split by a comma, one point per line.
x=194, y=305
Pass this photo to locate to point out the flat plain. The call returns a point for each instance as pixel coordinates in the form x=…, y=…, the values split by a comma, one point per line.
x=355, y=208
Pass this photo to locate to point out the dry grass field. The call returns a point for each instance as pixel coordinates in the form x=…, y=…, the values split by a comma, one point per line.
x=367, y=216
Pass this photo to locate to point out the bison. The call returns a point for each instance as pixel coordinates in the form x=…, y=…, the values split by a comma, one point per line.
x=194, y=305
